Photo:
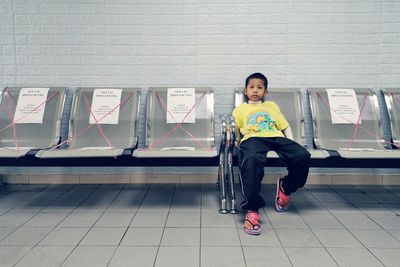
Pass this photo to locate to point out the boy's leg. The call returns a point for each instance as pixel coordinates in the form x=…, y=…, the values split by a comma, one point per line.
x=253, y=152
x=297, y=159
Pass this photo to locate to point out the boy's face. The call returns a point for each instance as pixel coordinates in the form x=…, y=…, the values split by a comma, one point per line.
x=255, y=90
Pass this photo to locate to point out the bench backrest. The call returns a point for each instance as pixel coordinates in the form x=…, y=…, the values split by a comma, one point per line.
x=392, y=99
x=18, y=130
x=289, y=101
x=334, y=136
x=121, y=134
x=162, y=135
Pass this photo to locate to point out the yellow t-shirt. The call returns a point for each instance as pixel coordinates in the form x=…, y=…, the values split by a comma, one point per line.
x=260, y=120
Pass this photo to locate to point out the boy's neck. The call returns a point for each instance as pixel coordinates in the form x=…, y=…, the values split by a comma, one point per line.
x=255, y=102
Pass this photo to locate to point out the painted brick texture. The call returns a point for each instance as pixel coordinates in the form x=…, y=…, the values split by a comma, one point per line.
x=216, y=43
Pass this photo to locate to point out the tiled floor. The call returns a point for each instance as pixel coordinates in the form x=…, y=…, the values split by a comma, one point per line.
x=179, y=225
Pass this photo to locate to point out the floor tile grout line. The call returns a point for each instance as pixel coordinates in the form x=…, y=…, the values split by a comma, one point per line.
x=71, y=190
x=31, y=216
x=363, y=213
x=52, y=228
x=386, y=188
x=236, y=223
x=360, y=191
x=35, y=245
x=94, y=189
x=31, y=195
x=77, y=244
x=277, y=236
x=32, y=247
x=166, y=221
x=5, y=193
x=396, y=214
x=348, y=230
x=201, y=222
x=116, y=247
x=51, y=202
x=329, y=211
x=326, y=248
x=372, y=219
x=90, y=228
x=240, y=240
x=127, y=228
x=313, y=232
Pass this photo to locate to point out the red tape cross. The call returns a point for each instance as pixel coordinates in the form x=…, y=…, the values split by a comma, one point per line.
x=357, y=125
x=179, y=125
x=84, y=130
x=11, y=106
x=103, y=135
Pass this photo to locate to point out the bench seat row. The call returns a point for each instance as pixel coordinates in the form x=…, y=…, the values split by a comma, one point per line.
x=103, y=122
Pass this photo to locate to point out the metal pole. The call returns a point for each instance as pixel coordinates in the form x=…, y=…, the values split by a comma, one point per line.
x=231, y=145
x=221, y=168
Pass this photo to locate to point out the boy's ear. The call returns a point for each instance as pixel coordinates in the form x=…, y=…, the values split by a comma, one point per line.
x=265, y=92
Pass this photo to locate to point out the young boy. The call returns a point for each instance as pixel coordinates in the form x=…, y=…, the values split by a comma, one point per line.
x=263, y=127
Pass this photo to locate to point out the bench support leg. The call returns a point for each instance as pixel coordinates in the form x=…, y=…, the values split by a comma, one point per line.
x=233, y=209
x=222, y=185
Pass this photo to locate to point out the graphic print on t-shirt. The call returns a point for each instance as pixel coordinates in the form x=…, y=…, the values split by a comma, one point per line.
x=261, y=122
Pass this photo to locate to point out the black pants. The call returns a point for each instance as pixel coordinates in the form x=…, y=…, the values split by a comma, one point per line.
x=253, y=158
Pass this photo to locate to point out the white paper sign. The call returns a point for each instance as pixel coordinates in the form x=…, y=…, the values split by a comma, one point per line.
x=105, y=106
x=31, y=105
x=180, y=105
x=344, y=106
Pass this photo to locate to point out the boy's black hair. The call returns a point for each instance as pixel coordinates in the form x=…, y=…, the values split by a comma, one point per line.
x=256, y=75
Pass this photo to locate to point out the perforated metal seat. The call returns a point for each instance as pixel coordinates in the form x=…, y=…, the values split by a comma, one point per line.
x=92, y=135
x=177, y=139
x=349, y=139
x=35, y=125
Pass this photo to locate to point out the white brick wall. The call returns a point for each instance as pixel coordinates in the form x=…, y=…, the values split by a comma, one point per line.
x=7, y=44
x=213, y=43
x=200, y=42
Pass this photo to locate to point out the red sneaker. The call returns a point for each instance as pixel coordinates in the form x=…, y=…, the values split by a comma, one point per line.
x=282, y=201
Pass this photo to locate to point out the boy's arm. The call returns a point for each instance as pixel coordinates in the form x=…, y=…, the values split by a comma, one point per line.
x=288, y=133
x=283, y=124
x=236, y=116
